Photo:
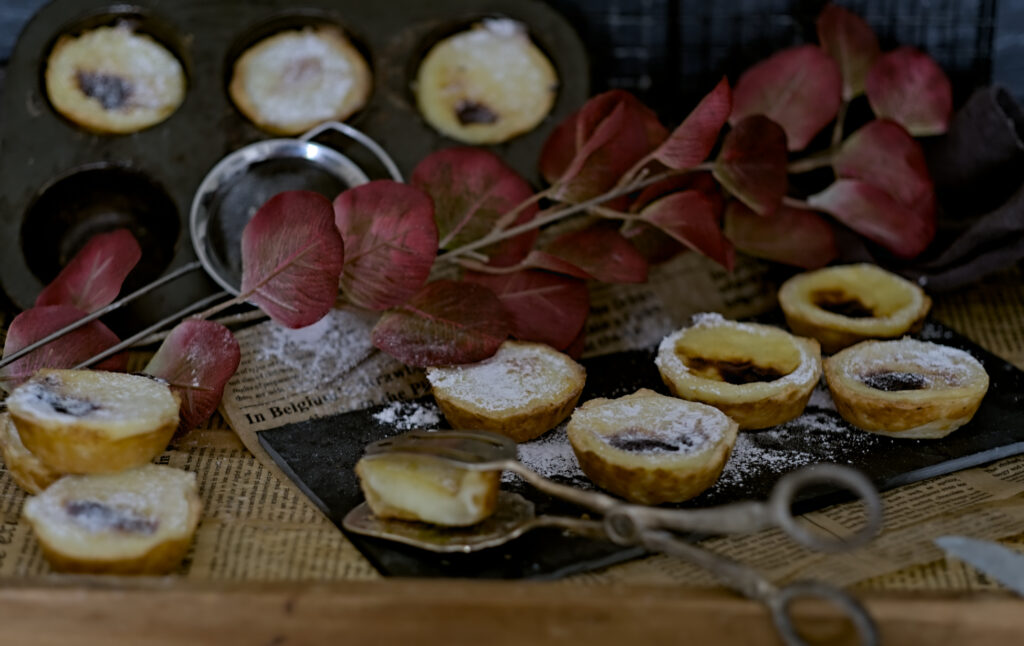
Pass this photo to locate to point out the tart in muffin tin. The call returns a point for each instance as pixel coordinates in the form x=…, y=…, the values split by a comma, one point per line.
x=45, y=151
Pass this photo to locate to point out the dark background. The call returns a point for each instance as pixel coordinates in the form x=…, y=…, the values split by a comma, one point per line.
x=670, y=52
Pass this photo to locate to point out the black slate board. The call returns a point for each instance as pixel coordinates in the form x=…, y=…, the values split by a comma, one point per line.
x=319, y=456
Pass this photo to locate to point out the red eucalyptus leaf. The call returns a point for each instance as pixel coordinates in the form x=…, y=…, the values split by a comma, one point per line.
x=445, y=323
x=851, y=42
x=703, y=182
x=66, y=352
x=871, y=212
x=390, y=242
x=798, y=88
x=544, y=307
x=548, y=262
x=472, y=188
x=882, y=153
x=94, y=276
x=692, y=141
x=197, y=359
x=792, y=236
x=691, y=218
x=291, y=258
x=603, y=253
x=752, y=164
x=589, y=151
x=652, y=243
x=907, y=86
x=578, y=345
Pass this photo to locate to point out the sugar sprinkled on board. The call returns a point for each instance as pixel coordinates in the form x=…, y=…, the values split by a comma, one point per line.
x=551, y=456
x=405, y=415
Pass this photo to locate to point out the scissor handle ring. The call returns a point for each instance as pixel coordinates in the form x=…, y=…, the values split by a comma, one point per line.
x=780, y=603
x=785, y=492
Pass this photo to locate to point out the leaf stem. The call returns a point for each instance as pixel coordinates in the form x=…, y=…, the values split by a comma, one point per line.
x=220, y=307
x=813, y=162
x=554, y=214
x=837, y=132
x=508, y=218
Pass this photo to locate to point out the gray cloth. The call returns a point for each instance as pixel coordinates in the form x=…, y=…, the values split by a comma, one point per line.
x=978, y=170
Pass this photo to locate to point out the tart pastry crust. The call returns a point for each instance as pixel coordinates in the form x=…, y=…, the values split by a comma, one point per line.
x=135, y=522
x=27, y=471
x=420, y=488
x=906, y=388
x=650, y=448
x=90, y=421
x=113, y=80
x=296, y=79
x=523, y=391
x=487, y=84
x=842, y=305
x=756, y=374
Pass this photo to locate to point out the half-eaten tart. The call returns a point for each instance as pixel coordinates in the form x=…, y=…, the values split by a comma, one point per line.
x=521, y=392
x=296, y=79
x=114, y=80
x=425, y=489
x=650, y=448
x=91, y=421
x=139, y=521
x=842, y=305
x=906, y=388
x=756, y=374
x=487, y=84
x=27, y=471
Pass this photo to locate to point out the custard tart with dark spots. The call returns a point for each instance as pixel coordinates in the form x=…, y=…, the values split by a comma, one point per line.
x=906, y=388
x=650, y=448
x=91, y=421
x=139, y=521
x=843, y=305
x=758, y=375
x=114, y=80
x=486, y=85
x=28, y=471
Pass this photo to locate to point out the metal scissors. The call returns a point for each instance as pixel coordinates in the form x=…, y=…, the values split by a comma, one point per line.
x=655, y=529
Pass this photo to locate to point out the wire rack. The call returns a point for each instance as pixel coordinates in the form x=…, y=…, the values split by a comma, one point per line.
x=671, y=52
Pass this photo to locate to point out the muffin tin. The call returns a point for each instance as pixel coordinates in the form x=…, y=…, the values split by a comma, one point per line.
x=61, y=183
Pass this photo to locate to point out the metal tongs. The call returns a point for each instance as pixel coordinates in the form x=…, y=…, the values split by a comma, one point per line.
x=635, y=525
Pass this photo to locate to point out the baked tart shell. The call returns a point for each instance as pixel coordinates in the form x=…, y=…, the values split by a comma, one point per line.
x=843, y=305
x=28, y=471
x=650, y=480
x=910, y=414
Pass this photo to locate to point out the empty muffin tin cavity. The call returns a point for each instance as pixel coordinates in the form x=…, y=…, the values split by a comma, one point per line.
x=297, y=22
x=95, y=200
x=140, y=21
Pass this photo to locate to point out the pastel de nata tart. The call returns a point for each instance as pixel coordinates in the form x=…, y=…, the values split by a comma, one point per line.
x=523, y=391
x=650, y=448
x=296, y=79
x=27, y=471
x=842, y=305
x=756, y=374
x=91, y=421
x=139, y=521
x=906, y=388
x=487, y=84
x=424, y=489
x=114, y=80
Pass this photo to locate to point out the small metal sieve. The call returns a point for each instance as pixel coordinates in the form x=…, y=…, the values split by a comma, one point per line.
x=226, y=200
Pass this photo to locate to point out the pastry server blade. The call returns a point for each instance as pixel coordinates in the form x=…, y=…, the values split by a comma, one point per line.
x=994, y=560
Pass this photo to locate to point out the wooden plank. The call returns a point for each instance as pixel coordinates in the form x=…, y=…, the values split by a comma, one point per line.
x=116, y=612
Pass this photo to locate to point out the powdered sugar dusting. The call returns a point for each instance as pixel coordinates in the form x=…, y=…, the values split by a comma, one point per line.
x=405, y=415
x=551, y=456
x=937, y=365
x=680, y=428
x=516, y=377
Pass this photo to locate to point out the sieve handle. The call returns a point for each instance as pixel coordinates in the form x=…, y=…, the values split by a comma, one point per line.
x=359, y=137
